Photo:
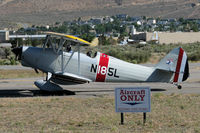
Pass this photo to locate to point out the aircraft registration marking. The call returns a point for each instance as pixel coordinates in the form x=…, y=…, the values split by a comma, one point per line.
x=102, y=68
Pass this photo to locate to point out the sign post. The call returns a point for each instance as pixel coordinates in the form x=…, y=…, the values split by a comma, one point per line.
x=122, y=118
x=144, y=118
x=134, y=99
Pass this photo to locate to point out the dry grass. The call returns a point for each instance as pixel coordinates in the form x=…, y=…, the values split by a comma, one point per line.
x=8, y=74
x=170, y=113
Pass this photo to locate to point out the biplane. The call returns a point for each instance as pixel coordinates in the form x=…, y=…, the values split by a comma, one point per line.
x=65, y=66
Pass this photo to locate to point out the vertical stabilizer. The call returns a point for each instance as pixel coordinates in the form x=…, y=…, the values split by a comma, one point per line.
x=177, y=63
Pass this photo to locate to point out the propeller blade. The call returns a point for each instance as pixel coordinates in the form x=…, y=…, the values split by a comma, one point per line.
x=18, y=52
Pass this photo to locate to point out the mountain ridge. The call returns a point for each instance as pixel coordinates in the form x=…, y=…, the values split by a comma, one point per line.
x=50, y=11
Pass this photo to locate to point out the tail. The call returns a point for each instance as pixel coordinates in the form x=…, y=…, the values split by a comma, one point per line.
x=176, y=63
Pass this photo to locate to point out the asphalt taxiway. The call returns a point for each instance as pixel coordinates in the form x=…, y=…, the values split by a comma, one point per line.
x=25, y=87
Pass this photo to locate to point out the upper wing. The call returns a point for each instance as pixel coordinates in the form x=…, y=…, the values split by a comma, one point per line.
x=69, y=37
x=69, y=79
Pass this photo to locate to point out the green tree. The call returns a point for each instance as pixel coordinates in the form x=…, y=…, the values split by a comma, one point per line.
x=181, y=20
x=100, y=29
x=88, y=37
x=122, y=29
x=36, y=42
x=103, y=40
x=108, y=27
x=19, y=42
x=195, y=28
x=62, y=29
x=173, y=27
x=75, y=29
x=85, y=29
x=57, y=23
x=28, y=41
x=144, y=18
x=7, y=52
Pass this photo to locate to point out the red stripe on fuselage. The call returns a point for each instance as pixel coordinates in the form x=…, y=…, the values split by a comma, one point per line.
x=102, y=68
x=178, y=66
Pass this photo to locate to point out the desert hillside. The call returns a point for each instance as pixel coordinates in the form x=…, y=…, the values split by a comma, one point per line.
x=49, y=11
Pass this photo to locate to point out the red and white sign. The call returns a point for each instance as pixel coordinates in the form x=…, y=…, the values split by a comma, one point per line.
x=135, y=99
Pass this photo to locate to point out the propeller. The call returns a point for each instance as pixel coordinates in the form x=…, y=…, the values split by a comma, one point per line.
x=18, y=52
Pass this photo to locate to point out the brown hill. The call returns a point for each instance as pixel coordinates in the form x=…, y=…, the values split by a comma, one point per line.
x=50, y=11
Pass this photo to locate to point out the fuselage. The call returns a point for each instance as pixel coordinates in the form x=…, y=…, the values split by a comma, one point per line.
x=102, y=68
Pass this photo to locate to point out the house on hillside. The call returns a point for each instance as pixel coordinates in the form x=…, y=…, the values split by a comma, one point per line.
x=122, y=16
x=163, y=22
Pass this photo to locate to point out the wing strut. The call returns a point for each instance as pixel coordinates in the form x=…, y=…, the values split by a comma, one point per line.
x=61, y=43
x=46, y=41
x=60, y=46
x=62, y=62
x=69, y=59
x=76, y=49
x=79, y=72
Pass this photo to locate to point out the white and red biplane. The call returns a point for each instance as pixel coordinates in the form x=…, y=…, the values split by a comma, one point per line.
x=67, y=67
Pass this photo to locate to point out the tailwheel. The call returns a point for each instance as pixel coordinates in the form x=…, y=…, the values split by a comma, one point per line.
x=179, y=87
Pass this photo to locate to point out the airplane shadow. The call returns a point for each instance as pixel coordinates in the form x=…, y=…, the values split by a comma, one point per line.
x=96, y=91
x=33, y=93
